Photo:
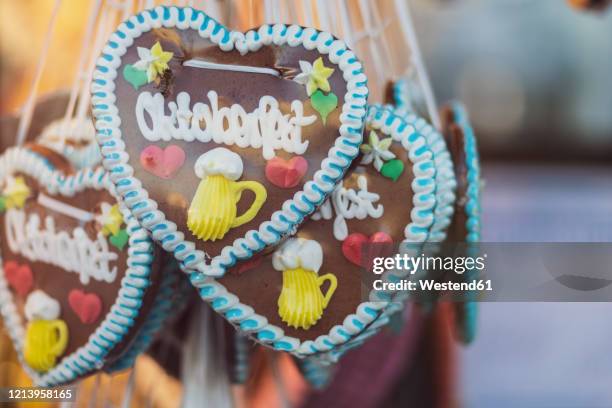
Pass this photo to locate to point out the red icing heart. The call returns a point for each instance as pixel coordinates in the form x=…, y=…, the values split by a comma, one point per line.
x=19, y=277
x=87, y=306
x=353, y=250
x=163, y=163
x=286, y=173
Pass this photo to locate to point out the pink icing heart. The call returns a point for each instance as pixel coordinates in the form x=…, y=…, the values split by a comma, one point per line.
x=19, y=277
x=87, y=306
x=163, y=163
x=286, y=173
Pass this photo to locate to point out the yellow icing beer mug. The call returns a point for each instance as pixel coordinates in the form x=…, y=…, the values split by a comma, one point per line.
x=213, y=210
x=45, y=341
x=302, y=302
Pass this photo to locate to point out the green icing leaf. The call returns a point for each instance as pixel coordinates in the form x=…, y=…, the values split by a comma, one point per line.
x=2, y=204
x=324, y=104
x=135, y=77
x=120, y=239
x=392, y=169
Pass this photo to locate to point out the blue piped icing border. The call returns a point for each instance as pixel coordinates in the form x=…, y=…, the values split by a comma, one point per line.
x=120, y=318
x=472, y=210
x=293, y=211
x=171, y=299
x=472, y=161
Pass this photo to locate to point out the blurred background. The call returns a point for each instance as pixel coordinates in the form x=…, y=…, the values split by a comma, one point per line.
x=536, y=77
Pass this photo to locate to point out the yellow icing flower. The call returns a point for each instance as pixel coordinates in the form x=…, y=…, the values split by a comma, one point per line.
x=314, y=76
x=16, y=193
x=110, y=219
x=154, y=61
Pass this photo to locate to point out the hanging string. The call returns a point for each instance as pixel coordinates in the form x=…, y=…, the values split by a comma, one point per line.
x=106, y=20
x=129, y=389
x=28, y=109
x=346, y=23
x=80, y=75
x=93, y=398
x=417, y=60
x=370, y=34
x=324, y=22
x=381, y=25
x=305, y=14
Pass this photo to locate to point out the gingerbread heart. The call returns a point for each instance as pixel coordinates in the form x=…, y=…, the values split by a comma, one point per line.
x=466, y=226
x=236, y=104
x=70, y=300
x=306, y=296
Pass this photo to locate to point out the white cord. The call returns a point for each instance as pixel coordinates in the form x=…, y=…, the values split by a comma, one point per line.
x=401, y=7
x=80, y=75
x=204, y=373
x=129, y=389
x=28, y=108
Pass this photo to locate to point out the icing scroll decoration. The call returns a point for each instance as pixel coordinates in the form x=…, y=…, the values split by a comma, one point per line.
x=350, y=204
x=149, y=68
x=266, y=127
x=301, y=302
x=38, y=241
x=46, y=335
x=213, y=209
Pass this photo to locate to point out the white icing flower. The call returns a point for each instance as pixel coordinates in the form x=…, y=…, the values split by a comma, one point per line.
x=298, y=253
x=219, y=161
x=304, y=76
x=154, y=60
x=314, y=76
x=377, y=151
x=40, y=306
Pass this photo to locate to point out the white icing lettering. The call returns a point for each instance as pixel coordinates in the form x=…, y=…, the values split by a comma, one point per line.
x=349, y=204
x=76, y=253
x=266, y=127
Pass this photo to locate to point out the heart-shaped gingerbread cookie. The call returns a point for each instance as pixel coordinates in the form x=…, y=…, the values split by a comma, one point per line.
x=466, y=226
x=236, y=104
x=306, y=296
x=71, y=300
